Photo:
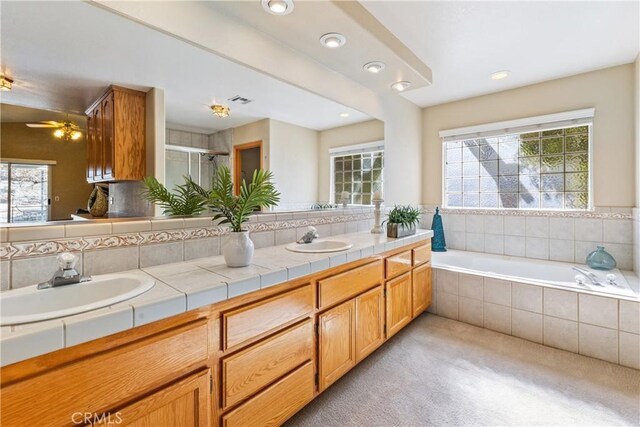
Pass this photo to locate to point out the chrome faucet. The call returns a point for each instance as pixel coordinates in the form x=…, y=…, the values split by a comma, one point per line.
x=594, y=279
x=309, y=236
x=66, y=274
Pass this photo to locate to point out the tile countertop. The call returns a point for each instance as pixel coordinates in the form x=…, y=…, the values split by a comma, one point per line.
x=185, y=286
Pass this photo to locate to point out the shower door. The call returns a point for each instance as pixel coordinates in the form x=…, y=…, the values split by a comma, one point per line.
x=182, y=161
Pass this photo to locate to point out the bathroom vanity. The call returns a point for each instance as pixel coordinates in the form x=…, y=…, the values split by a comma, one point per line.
x=254, y=359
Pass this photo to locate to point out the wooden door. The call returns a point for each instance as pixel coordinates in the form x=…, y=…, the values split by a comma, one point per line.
x=336, y=344
x=421, y=284
x=186, y=403
x=369, y=322
x=108, y=142
x=97, y=143
x=239, y=167
x=399, y=309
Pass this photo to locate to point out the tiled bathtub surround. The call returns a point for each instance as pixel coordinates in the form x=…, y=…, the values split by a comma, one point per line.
x=28, y=254
x=556, y=236
x=596, y=326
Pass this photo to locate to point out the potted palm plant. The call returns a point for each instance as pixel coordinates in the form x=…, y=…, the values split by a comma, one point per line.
x=402, y=221
x=235, y=210
x=184, y=200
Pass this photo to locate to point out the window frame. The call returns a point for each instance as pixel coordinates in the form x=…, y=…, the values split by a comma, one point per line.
x=564, y=120
x=365, y=147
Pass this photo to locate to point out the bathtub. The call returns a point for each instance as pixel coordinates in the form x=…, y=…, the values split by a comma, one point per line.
x=531, y=271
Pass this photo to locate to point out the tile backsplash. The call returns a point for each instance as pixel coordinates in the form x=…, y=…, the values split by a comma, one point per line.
x=28, y=254
x=553, y=236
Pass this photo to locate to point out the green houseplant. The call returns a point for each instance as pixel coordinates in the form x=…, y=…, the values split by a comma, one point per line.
x=402, y=221
x=235, y=210
x=185, y=200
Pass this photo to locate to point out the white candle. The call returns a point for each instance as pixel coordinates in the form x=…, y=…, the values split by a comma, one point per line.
x=377, y=196
x=345, y=195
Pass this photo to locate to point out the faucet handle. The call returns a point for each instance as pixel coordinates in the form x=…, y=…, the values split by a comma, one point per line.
x=67, y=260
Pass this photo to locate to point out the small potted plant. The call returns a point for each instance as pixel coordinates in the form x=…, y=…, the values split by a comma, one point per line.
x=185, y=200
x=402, y=221
x=235, y=210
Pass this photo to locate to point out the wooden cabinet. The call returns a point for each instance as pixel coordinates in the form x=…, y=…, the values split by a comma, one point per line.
x=422, y=254
x=348, y=284
x=399, y=309
x=116, y=136
x=336, y=343
x=421, y=286
x=398, y=264
x=276, y=403
x=369, y=322
x=186, y=403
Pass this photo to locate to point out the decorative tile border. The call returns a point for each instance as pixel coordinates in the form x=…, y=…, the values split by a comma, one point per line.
x=509, y=212
x=51, y=247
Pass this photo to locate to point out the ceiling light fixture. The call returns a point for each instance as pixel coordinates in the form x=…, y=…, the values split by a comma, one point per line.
x=69, y=132
x=333, y=40
x=401, y=86
x=220, y=110
x=345, y=114
x=499, y=75
x=374, y=66
x=278, y=7
x=5, y=83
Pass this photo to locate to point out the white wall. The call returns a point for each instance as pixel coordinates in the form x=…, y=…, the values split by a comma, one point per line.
x=636, y=211
x=293, y=161
x=609, y=90
x=358, y=133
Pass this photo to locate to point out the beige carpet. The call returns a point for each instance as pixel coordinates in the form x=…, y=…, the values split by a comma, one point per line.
x=442, y=372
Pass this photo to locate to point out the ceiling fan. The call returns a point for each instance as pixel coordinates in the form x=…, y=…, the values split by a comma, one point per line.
x=66, y=130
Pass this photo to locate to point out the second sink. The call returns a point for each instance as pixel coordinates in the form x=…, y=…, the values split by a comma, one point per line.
x=320, y=246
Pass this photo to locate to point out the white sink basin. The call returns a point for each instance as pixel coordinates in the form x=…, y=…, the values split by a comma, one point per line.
x=320, y=246
x=30, y=304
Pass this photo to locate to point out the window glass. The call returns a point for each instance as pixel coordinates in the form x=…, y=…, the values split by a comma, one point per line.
x=360, y=175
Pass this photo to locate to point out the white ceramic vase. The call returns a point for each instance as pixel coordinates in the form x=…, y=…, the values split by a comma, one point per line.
x=238, y=249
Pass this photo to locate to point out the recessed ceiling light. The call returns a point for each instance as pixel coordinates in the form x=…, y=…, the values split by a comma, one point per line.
x=499, y=75
x=278, y=7
x=344, y=114
x=374, y=66
x=333, y=40
x=401, y=86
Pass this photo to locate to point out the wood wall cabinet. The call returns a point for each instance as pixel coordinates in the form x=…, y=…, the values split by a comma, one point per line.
x=116, y=144
x=399, y=308
x=421, y=288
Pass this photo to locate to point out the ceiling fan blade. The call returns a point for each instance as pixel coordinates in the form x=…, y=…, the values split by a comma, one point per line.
x=41, y=125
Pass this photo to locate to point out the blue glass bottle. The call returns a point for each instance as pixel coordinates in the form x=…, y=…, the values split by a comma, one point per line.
x=601, y=259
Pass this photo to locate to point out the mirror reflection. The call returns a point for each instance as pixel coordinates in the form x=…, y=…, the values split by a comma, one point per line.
x=176, y=111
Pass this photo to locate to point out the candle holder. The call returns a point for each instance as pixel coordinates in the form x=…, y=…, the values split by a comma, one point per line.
x=377, y=227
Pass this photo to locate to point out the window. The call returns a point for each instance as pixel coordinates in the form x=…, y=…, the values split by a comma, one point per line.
x=358, y=171
x=24, y=192
x=541, y=169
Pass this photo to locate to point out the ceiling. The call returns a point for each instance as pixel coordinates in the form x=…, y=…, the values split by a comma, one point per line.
x=17, y=114
x=464, y=42
x=63, y=55
x=366, y=39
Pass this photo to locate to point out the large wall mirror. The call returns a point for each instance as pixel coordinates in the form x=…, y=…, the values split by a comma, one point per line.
x=203, y=112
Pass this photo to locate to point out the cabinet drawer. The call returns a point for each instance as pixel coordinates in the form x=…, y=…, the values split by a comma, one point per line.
x=422, y=254
x=105, y=381
x=247, y=372
x=252, y=320
x=348, y=284
x=398, y=264
x=277, y=403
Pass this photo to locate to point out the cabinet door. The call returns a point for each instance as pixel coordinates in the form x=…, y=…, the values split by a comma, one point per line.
x=186, y=403
x=399, y=307
x=421, y=284
x=336, y=345
x=108, y=142
x=369, y=322
x=91, y=157
x=97, y=143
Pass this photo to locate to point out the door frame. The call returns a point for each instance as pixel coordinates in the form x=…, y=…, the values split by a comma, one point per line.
x=237, y=161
